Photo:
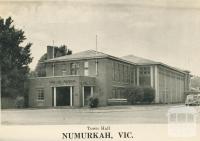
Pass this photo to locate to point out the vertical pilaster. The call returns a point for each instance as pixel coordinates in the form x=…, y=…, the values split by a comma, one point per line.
x=151, y=76
x=156, y=85
x=138, y=76
x=53, y=69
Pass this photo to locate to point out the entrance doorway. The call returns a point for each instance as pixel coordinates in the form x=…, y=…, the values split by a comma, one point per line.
x=62, y=96
x=87, y=92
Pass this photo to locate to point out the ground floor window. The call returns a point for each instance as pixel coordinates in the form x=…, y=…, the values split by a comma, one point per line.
x=40, y=94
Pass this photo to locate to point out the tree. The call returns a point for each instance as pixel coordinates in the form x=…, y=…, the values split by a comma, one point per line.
x=14, y=59
x=195, y=82
x=40, y=69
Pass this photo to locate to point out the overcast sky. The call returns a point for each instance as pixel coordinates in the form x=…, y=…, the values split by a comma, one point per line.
x=162, y=30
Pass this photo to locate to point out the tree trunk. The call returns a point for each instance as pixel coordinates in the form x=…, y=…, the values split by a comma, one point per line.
x=0, y=91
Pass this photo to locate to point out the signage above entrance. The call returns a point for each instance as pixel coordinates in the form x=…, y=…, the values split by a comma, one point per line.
x=57, y=82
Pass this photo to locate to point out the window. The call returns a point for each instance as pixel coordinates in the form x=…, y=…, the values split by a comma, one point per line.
x=125, y=73
x=64, y=72
x=144, y=70
x=113, y=73
x=121, y=72
x=86, y=70
x=74, y=68
x=86, y=65
x=40, y=94
x=144, y=76
x=118, y=92
x=132, y=75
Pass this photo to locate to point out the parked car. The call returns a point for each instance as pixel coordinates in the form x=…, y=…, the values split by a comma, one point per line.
x=192, y=99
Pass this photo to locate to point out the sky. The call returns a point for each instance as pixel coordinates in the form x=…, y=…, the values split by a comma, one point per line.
x=166, y=31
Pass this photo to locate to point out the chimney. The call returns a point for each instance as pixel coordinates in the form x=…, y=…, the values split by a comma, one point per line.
x=50, y=52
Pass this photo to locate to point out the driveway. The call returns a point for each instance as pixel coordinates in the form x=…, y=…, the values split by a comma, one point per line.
x=102, y=115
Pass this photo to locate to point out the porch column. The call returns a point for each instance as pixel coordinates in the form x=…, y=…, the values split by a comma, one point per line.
x=92, y=91
x=83, y=96
x=54, y=96
x=71, y=99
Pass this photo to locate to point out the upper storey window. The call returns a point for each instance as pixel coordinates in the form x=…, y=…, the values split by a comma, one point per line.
x=144, y=76
x=86, y=68
x=74, y=68
x=144, y=70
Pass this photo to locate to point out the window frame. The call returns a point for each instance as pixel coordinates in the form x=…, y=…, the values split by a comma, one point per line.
x=40, y=94
x=74, y=68
x=86, y=68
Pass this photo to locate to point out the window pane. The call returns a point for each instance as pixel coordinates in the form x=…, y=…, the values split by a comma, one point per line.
x=40, y=94
x=86, y=64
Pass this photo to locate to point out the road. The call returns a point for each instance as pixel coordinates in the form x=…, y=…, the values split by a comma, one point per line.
x=102, y=115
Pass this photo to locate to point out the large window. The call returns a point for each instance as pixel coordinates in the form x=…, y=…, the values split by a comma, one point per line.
x=123, y=72
x=40, y=94
x=86, y=68
x=144, y=76
x=64, y=72
x=118, y=92
x=133, y=75
x=74, y=68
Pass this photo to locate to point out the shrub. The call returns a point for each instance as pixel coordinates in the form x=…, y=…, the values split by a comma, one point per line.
x=134, y=94
x=93, y=102
x=19, y=102
x=149, y=95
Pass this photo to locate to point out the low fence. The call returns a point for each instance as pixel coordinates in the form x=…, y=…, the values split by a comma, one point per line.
x=115, y=101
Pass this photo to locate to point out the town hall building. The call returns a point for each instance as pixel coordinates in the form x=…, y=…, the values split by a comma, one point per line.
x=69, y=80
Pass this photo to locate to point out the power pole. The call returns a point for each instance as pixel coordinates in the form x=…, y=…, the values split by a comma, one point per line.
x=96, y=57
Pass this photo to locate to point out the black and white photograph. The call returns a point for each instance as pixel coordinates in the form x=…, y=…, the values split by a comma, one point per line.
x=100, y=64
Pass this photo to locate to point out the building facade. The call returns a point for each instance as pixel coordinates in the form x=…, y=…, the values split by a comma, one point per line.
x=70, y=80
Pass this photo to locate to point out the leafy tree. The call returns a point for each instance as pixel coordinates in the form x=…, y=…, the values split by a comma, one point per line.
x=14, y=59
x=40, y=70
x=195, y=82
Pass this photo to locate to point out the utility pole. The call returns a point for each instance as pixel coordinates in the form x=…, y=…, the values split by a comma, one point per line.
x=96, y=57
x=53, y=58
x=96, y=42
x=53, y=50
